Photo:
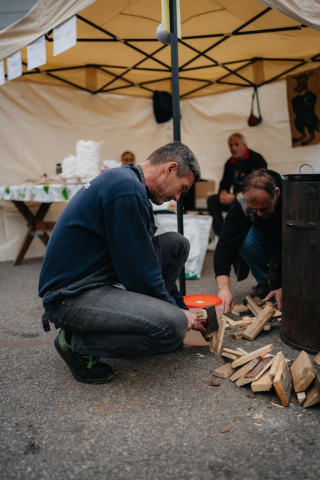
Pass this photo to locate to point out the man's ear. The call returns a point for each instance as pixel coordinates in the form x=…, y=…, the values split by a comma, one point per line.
x=171, y=167
x=277, y=192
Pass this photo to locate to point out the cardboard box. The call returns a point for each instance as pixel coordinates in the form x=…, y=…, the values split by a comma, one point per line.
x=205, y=189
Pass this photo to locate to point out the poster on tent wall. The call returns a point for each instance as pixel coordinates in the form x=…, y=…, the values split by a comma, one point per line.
x=303, y=91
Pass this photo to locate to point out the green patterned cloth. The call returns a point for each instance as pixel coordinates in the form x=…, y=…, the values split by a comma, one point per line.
x=39, y=193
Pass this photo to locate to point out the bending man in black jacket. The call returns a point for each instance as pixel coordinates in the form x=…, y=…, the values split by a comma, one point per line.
x=237, y=168
x=252, y=231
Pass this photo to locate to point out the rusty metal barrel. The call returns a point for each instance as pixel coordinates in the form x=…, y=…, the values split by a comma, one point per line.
x=300, y=326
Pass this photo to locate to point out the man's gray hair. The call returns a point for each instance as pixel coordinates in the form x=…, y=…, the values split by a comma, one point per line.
x=179, y=153
x=238, y=135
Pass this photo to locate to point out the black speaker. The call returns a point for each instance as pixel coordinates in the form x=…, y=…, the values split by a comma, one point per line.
x=162, y=106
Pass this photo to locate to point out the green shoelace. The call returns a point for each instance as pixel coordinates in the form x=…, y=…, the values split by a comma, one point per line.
x=89, y=360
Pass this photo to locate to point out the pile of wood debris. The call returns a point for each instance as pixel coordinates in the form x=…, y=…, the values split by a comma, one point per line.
x=261, y=369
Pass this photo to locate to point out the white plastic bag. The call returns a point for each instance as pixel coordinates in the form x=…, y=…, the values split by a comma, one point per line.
x=196, y=230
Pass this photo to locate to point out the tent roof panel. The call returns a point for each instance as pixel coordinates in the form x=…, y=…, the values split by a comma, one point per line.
x=230, y=32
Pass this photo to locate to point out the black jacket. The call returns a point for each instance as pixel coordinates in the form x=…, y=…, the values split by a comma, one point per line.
x=238, y=223
x=236, y=170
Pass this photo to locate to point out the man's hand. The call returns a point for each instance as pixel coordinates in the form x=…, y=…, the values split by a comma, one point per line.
x=226, y=198
x=192, y=319
x=202, y=328
x=227, y=301
x=225, y=294
x=277, y=294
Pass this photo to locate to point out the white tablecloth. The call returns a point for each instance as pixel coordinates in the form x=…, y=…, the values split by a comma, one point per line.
x=39, y=193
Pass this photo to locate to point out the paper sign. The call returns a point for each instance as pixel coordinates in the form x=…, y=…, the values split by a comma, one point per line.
x=37, y=53
x=2, y=77
x=65, y=36
x=14, y=65
x=165, y=14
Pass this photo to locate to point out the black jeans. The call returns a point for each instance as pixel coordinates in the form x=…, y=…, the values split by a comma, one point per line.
x=215, y=208
x=115, y=323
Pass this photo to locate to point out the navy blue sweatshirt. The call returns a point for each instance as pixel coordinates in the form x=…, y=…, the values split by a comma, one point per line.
x=103, y=237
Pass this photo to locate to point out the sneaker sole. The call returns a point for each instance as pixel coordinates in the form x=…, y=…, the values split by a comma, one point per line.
x=79, y=379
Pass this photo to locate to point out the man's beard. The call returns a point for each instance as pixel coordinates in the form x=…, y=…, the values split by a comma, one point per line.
x=158, y=196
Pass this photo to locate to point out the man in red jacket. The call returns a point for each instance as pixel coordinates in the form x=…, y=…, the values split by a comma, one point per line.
x=236, y=169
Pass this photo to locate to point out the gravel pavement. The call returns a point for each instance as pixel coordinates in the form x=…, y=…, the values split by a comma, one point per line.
x=158, y=419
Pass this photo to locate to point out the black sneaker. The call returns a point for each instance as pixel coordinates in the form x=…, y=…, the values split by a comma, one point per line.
x=84, y=368
x=261, y=291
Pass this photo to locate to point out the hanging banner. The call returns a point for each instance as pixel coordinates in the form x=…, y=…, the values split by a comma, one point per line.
x=65, y=36
x=36, y=52
x=303, y=92
x=14, y=65
x=165, y=14
x=2, y=77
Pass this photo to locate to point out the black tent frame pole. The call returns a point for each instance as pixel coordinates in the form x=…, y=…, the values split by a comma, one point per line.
x=176, y=112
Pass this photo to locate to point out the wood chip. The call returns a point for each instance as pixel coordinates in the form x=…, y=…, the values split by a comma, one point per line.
x=213, y=383
x=301, y=396
x=224, y=430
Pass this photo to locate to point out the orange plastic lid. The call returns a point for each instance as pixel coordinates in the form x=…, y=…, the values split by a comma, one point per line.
x=200, y=301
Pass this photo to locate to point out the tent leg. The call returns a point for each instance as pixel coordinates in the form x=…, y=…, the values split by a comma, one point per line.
x=176, y=112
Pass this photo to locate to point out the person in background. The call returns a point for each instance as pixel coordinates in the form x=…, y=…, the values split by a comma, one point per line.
x=127, y=157
x=251, y=237
x=236, y=169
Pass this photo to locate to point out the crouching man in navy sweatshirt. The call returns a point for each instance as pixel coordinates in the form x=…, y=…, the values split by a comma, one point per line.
x=107, y=282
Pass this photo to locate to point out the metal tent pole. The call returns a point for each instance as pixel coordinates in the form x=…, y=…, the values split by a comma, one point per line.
x=176, y=112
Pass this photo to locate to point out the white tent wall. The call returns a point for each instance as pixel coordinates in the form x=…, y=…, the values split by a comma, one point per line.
x=40, y=125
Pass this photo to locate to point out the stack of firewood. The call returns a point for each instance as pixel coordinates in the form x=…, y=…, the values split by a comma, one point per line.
x=264, y=371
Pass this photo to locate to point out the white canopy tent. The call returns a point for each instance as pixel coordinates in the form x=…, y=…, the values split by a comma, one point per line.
x=44, y=112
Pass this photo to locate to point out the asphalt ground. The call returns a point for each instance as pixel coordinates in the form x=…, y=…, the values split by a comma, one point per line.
x=158, y=419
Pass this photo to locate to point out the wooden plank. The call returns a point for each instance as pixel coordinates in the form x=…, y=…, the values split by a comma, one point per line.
x=282, y=383
x=268, y=365
x=263, y=384
x=255, y=354
x=317, y=373
x=212, y=343
x=253, y=307
x=302, y=372
x=228, y=355
x=243, y=370
x=242, y=351
x=317, y=359
x=220, y=335
x=301, y=396
x=313, y=397
x=244, y=381
x=237, y=353
x=239, y=308
x=201, y=315
x=237, y=336
x=277, y=359
x=251, y=376
x=238, y=323
x=225, y=371
x=263, y=318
